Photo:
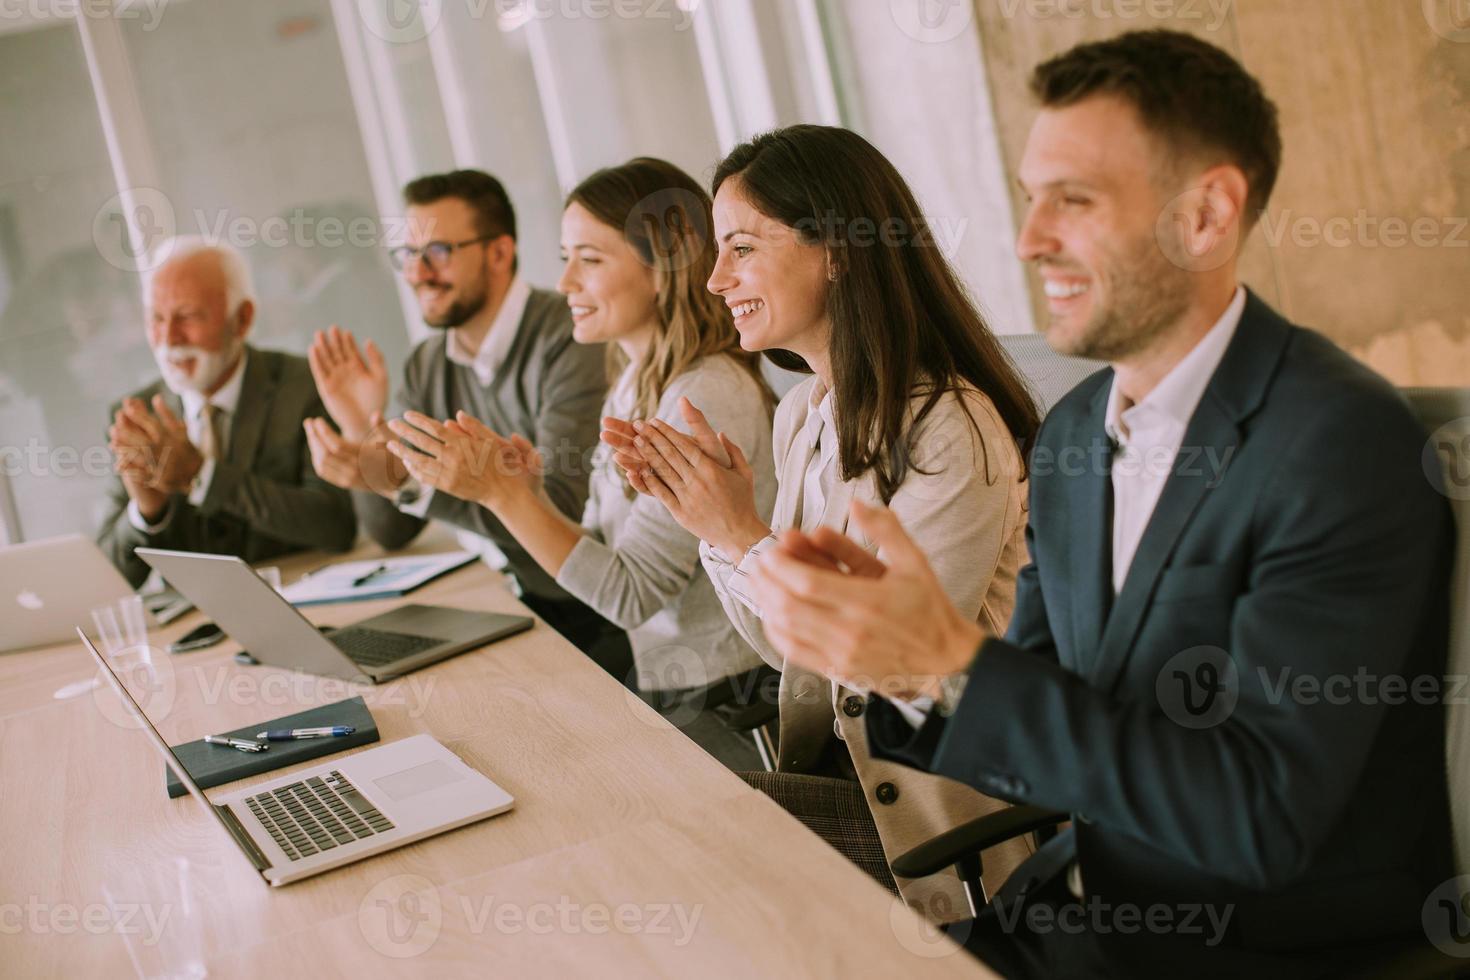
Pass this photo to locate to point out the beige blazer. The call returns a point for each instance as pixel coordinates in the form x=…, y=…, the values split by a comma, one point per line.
x=968, y=514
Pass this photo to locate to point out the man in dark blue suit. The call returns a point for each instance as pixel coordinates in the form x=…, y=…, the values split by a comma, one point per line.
x=1225, y=658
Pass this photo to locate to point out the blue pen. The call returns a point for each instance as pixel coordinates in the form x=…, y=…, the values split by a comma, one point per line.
x=288, y=734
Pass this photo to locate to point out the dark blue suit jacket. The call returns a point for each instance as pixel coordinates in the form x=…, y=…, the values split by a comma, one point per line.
x=1298, y=536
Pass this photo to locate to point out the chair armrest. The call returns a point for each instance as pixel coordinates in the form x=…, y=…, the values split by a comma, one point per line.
x=748, y=717
x=948, y=848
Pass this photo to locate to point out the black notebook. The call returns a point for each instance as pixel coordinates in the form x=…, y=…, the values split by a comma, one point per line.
x=214, y=765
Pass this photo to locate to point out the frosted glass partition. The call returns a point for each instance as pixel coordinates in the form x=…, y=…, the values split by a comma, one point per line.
x=257, y=144
x=618, y=86
x=71, y=326
x=495, y=115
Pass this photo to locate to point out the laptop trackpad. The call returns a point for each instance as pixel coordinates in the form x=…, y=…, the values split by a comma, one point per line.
x=420, y=779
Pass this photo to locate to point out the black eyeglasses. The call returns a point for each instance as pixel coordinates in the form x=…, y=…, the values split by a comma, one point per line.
x=435, y=253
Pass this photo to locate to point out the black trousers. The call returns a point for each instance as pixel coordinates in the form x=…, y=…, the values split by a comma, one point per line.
x=604, y=643
x=1049, y=933
x=1017, y=942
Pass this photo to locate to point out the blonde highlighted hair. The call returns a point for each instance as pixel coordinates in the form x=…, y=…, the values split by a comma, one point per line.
x=668, y=219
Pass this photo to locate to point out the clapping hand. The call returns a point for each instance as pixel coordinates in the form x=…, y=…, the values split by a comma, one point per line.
x=152, y=449
x=830, y=606
x=353, y=384
x=354, y=465
x=703, y=479
x=465, y=458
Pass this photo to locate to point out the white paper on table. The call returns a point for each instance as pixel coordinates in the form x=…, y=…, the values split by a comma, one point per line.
x=399, y=576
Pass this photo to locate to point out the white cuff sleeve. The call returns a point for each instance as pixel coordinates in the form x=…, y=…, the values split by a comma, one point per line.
x=135, y=518
x=915, y=712
x=739, y=583
x=201, y=485
x=419, y=506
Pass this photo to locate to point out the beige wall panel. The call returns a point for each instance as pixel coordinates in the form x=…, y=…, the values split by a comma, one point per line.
x=1366, y=237
x=1371, y=221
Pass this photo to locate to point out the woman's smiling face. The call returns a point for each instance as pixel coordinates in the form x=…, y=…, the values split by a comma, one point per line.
x=609, y=288
x=774, y=284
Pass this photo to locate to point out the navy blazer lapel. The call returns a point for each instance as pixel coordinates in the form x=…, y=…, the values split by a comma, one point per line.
x=1090, y=541
x=253, y=410
x=1211, y=440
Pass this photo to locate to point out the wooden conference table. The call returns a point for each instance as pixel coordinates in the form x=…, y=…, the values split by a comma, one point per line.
x=629, y=851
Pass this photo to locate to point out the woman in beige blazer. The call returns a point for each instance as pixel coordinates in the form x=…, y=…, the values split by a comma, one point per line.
x=829, y=267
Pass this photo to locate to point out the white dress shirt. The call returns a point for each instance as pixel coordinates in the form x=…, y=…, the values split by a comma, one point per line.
x=1148, y=435
x=822, y=474
x=485, y=363
x=225, y=401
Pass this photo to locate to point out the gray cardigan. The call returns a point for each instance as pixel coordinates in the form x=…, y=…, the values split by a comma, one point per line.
x=549, y=390
x=640, y=569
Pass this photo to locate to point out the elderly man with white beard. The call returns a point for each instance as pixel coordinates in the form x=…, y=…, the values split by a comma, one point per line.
x=213, y=457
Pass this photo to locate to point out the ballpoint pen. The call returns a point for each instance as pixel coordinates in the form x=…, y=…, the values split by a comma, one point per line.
x=288, y=734
x=368, y=576
x=236, y=743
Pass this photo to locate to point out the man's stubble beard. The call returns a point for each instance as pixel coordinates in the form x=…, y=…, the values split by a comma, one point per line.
x=462, y=309
x=1149, y=294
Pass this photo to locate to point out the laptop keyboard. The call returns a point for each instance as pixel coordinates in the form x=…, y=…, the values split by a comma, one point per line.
x=316, y=814
x=374, y=648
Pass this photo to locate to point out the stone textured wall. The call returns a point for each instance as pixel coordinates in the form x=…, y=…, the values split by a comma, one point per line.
x=1368, y=235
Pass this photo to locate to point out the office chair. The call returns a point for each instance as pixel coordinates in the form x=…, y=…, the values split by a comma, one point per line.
x=1050, y=375
x=748, y=705
x=1445, y=413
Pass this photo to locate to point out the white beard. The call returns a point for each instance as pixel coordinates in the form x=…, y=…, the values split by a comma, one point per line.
x=209, y=366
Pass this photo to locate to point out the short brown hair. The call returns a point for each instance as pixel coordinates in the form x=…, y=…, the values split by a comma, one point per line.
x=483, y=193
x=1189, y=93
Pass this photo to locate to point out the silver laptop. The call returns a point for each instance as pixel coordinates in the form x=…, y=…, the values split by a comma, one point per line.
x=338, y=812
x=258, y=618
x=47, y=587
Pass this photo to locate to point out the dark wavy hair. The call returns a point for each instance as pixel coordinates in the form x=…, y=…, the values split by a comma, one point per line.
x=902, y=323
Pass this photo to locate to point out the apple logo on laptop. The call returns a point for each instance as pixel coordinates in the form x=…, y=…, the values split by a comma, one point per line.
x=29, y=600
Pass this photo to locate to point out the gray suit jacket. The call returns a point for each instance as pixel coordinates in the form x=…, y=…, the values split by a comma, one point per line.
x=550, y=390
x=265, y=499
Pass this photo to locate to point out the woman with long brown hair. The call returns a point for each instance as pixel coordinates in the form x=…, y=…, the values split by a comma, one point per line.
x=638, y=249
x=829, y=266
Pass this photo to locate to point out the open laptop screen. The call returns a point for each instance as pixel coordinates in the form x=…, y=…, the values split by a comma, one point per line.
x=235, y=833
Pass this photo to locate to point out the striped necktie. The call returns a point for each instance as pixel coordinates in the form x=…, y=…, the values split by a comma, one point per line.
x=209, y=440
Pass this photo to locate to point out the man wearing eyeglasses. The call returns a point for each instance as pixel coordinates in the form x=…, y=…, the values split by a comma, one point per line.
x=502, y=352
